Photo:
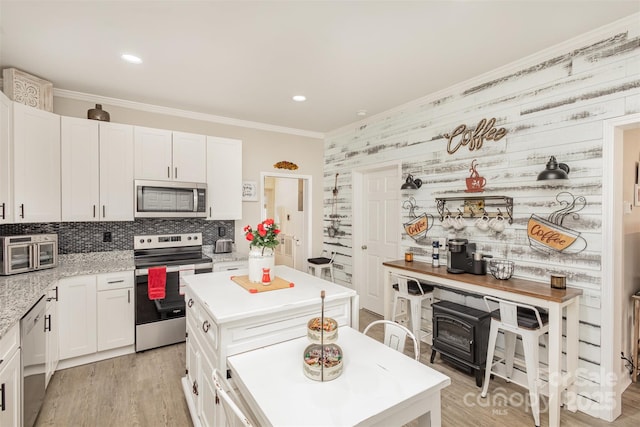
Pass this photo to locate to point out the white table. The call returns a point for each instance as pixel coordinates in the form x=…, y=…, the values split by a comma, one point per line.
x=525, y=291
x=379, y=386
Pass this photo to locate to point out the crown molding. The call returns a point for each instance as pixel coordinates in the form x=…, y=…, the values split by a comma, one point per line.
x=80, y=96
x=625, y=24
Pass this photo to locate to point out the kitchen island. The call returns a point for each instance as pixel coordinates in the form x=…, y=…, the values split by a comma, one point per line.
x=224, y=319
x=555, y=301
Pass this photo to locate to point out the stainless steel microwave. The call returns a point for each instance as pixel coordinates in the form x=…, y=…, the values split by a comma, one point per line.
x=20, y=254
x=168, y=199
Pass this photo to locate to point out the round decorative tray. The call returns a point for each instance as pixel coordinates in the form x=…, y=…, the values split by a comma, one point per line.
x=314, y=361
x=330, y=330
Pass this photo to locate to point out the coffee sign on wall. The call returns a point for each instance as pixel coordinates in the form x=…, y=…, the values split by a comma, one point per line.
x=474, y=138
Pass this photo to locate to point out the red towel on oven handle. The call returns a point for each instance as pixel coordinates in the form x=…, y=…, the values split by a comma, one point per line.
x=157, y=282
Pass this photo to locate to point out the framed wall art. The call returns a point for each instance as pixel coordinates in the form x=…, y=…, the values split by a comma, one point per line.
x=249, y=191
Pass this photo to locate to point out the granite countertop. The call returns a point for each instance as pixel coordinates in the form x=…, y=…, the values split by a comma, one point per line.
x=18, y=293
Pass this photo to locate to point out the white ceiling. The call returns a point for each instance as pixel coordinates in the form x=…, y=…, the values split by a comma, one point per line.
x=245, y=60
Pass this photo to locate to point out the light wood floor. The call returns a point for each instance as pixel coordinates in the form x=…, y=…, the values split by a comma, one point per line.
x=144, y=389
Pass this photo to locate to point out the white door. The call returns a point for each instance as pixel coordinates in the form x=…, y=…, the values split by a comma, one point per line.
x=380, y=231
x=224, y=178
x=152, y=154
x=77, y=313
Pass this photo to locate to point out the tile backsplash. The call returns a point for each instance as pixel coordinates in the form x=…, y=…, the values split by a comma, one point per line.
x=76, y=237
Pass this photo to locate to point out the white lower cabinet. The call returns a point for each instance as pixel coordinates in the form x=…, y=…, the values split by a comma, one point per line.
x=116, y=314
x=96, y=314
x=77, y=299
x=10, y=379
x=52, y=329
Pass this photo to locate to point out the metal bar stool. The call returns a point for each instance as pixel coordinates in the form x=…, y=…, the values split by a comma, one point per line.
x=526, y=321
x=320, y=264
x=415, y=293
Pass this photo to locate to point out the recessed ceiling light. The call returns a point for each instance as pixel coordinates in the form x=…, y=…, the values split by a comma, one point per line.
x=299, y=98
x=131, y=58
x=361, y=113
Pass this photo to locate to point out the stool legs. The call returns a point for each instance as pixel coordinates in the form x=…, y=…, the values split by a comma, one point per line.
x=530, y=345
x=491, y=348
x=416, y=315
x=509, y=351
x=395, y=307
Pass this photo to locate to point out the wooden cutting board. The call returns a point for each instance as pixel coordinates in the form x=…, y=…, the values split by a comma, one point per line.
x=276, y=283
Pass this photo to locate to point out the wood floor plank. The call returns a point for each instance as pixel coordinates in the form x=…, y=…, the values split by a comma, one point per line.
x=144, y=390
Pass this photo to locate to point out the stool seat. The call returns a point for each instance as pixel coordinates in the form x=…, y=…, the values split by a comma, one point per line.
x=415, y=293
x=526, y=318
x=414, y=289
x=319, y=260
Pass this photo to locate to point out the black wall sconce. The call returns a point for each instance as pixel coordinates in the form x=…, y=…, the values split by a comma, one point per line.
x=554, y=170
x=411, y=184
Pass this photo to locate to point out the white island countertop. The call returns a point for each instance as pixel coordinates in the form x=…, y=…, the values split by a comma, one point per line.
x=227, y=301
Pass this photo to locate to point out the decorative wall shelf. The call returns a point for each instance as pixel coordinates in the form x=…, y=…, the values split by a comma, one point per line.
x=475, y=206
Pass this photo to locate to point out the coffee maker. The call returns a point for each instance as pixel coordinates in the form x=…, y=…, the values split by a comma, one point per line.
x=463, y=258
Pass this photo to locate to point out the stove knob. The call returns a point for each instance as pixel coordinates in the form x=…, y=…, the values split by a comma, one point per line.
x=141, y=240
x=189, y=238
x=195, y=237
x=148, y=240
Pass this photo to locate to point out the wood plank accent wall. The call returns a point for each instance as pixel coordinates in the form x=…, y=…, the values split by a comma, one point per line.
x=553, y=106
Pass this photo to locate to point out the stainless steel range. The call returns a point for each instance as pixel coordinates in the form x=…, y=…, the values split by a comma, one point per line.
x=162, y=321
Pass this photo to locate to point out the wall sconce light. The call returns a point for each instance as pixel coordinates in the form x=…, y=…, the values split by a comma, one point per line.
x=411, y=184
x=554, y=170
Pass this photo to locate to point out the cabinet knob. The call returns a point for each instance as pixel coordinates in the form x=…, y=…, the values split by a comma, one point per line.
x=190, y=303
x=195, y=387
x=363, y=247
x=205, y=326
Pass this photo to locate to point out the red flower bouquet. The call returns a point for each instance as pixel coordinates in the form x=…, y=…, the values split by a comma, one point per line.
x=264, y=236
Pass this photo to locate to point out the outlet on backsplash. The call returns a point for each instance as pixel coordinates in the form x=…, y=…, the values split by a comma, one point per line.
x=106, y=236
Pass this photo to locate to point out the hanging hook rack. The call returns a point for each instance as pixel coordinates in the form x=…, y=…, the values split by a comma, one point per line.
x=468, y=206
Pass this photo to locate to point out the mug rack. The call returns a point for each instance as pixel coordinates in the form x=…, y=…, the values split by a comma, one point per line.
x=476, y=206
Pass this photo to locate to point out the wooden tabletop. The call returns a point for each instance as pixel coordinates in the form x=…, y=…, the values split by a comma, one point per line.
x=519, y=286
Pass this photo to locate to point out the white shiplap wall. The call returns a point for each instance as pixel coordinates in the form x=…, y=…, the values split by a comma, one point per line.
x=551, y=104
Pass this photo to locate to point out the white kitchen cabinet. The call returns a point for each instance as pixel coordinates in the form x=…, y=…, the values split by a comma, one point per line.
x=224, y=178
x=169, y=156
x=36, y=165
x=10, y=378
x=189, y=154
x=77, y=309
x=97, y=170
x=6, y=166
x=153, y=156
x=116, y=312
x=52, y=324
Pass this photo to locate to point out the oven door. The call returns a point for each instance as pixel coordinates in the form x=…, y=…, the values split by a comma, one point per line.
x=46, y=254
x=162, y=322
x=19, y=258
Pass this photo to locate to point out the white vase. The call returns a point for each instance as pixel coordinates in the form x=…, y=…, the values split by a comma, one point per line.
x=258, y=261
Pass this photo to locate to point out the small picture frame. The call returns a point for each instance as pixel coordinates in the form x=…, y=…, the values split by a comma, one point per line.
x=249, y=191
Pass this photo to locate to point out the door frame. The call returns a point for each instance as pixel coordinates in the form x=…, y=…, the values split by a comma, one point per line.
x=357, y=184
x=307, y=206
x=612, y=265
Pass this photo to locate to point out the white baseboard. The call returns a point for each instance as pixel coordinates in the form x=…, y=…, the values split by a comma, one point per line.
x=95, y=357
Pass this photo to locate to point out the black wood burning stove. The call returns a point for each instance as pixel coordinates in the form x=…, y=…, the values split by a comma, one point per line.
x=460, y=335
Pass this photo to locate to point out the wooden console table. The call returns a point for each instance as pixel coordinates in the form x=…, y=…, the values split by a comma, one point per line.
x=518, y=290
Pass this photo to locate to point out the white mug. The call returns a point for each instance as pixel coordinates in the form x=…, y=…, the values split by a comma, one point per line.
x=459, y=223
x=497, y=224
x=482, y=223
x=447, y=221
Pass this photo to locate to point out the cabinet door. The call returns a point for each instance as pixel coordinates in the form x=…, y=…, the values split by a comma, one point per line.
x=116, y=172
x=36, y=172
x=189, y=157
x=116, y=322
x=224, y=178
x=6, y=166
x=77, y=308
x=10, y=392
x=194, y=353
x=79, y=169
x=152, y=153
x=53, y=334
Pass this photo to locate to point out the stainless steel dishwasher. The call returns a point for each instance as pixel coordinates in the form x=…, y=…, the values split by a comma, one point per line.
x=32, y=341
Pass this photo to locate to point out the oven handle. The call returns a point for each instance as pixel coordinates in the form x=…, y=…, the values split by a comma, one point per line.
x=175, y=269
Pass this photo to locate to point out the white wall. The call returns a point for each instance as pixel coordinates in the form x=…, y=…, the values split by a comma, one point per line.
x=553, y=103
x=261, y=149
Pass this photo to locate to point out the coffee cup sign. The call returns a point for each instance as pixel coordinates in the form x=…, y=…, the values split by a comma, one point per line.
x=475, y=182
x=474, y=138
